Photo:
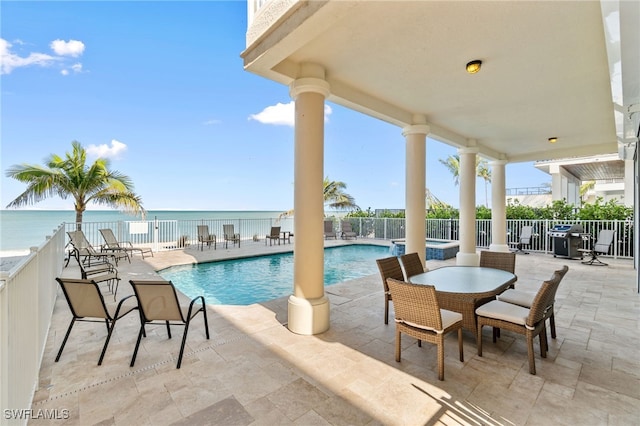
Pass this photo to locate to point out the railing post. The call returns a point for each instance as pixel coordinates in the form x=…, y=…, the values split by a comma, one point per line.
x=384, y=228
x=155, y=234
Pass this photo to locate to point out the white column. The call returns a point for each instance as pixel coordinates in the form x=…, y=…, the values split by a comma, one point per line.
x=628, y=182
x=308, y=306
x=498, y=207
x=415, y=186
x=467, y=255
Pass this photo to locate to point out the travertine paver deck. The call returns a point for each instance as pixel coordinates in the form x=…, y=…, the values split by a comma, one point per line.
x=254, y=371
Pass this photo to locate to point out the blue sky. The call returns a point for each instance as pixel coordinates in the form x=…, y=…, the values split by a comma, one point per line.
x=159, y=88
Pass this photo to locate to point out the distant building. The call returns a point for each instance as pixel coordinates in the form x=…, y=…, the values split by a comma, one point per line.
x=539, y=196
x=612, y=176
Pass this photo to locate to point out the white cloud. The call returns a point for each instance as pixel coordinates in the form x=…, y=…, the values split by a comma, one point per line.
x=282, y=114
x=76, y=68
x=212, y=122
x=73, y=48
x=106, y=151
x=10, y=61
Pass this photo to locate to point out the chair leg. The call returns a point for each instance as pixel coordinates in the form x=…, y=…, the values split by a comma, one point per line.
x=135, y=351
x=543, y=342
x=106, y=342
x=532, y=361
x=552, y=324
x=460, y=347
x=66, y=336
x=168, y=329
x=479, y=339
x=386, y=310
x=206, y=323
x=398, y=344
x=441, y=358
x=184, y=340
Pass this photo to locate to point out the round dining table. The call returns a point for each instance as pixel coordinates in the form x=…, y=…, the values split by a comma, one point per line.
x=463, y=288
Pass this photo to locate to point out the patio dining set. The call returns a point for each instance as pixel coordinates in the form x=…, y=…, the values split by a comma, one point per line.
x=429, y=304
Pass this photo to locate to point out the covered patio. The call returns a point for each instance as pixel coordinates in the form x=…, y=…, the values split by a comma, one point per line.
x=254, y=371
x=507, y=81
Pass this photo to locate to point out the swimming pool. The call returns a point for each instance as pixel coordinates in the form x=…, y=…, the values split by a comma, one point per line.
x=257, y=279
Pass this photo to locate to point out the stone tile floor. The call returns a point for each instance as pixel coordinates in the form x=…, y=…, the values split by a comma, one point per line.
x=253, y=371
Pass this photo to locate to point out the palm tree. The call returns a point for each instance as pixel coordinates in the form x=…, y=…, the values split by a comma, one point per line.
x=334, y=197
x=482, y=171
x=71, y=177
x=585, y=188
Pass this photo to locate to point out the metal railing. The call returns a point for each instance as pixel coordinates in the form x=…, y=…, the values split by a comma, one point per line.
x=27, y=297
x=448, y=229
x=162, y=235
x=528, y=190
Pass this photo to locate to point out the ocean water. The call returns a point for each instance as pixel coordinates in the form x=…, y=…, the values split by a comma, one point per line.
x=22, y=229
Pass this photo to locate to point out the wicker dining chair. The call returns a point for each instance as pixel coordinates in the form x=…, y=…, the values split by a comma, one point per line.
x=389, y=267
x=527, y=321
x=499, y=260
x=418, y=315
x=412, y=265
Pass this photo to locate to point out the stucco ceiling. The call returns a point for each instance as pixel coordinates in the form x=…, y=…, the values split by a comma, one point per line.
x=545, y=70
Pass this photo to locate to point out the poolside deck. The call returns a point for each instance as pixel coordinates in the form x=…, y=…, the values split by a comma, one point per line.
x=254, y=371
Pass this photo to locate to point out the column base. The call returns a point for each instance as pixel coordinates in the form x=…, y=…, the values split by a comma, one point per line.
x=308, y=316
x=499, y=247
x=467, y=259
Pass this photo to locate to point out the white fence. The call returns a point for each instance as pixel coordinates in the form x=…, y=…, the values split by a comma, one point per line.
x=27, y=297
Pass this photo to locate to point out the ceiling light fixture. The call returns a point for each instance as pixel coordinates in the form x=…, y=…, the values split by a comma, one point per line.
x=553, y=140
x=474, y=66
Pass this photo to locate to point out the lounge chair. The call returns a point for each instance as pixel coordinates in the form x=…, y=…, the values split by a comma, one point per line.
x=102, y=272
x=112, y=244
x=601, y=246
x=230, y=235
x=418, y=314
x=347, y=230
x=87, y=304
x=328, y=230
x=158, y=301
x=273, y=235
x=523, y=240
x=82, y=248
x=204, y=237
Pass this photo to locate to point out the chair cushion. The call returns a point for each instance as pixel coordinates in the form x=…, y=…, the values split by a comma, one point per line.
x=517, y=297
x=504, y=311
x=448, y=319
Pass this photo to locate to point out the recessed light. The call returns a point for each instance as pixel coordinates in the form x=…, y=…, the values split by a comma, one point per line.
x=553, y=140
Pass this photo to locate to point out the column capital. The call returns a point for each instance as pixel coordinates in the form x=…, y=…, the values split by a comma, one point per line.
x=498, y=162
x=309, y=84
x=468, y=150
x=413, y=129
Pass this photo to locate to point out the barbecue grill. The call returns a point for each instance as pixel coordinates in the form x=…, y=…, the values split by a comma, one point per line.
x=567, y=239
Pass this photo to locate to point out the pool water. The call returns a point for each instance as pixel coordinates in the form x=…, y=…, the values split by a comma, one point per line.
x=258, y=279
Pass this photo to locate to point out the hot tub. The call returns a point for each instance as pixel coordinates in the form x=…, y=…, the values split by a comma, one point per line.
x=434, y=248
